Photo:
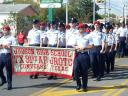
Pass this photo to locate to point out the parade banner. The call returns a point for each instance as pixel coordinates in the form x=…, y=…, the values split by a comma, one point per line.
x=48, y=61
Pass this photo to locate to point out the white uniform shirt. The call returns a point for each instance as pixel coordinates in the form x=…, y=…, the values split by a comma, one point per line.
x=62, y=38
x=122, y=32
x=71, y=36
x=52, y=37
x=110, y=39
x=44, y=37
x=34, y=36
x=126, y=32
x=116, y=30
x=96, y=37
x=81, y=42
x=7, y=40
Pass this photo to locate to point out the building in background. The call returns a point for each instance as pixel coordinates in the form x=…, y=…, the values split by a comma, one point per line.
x=7, y=9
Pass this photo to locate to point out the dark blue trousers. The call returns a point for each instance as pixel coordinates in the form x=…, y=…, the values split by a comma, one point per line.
x=109, y=61
x=122, y=46
x=112, y=62
x=81, y=69
x=5, y=61
x=97, y=61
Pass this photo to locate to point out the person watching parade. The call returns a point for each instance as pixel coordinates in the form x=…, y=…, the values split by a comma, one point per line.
x=21, y=38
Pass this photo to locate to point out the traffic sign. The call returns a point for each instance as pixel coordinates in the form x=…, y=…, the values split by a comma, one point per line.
x=50, y=3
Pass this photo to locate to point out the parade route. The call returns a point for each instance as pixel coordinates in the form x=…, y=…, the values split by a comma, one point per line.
x=113, y=84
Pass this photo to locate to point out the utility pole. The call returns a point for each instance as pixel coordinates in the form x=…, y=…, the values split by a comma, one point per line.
x=109, y=12
x=67, y=12
x=126, y=13
x=105, y=10
x=94, y=10
x=123, y=12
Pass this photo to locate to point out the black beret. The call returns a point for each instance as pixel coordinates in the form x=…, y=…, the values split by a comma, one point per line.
x=53, y=23
x=74, y=20
x=61, y=24
x=35, y=21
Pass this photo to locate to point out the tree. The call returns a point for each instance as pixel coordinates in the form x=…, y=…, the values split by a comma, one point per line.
x=82, y=9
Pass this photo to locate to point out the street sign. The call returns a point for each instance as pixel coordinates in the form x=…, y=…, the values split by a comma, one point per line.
x=50, y=3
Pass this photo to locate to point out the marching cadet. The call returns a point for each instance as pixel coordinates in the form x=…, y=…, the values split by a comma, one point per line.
x=5, y=56
x=114, y=49
x=72, y=33
x=109, y=45
x=116, y=35
x=122, y=33
x=61, y=35
x=96, y=53
x=52, y=35
x=126, y=28
x=34, y=39
x=82, y=59
x=43, y=38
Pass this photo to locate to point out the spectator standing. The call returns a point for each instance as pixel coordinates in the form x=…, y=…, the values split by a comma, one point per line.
x=21, y=38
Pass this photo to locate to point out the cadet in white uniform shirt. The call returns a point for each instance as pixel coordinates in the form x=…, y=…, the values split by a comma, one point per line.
x=96, y=53
x=34, y=39
x=81, y=61
x=109, y=45
x=44, y=38
x=122, y=33
x=71, y=34
x=5, y=56
x=52, y=35
x=34, y=34
x=62, y=35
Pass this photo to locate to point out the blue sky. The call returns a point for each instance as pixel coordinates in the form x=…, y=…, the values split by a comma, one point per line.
x=116, y=6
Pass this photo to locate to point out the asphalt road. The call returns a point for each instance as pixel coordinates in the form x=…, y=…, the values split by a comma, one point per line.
x=113, y=84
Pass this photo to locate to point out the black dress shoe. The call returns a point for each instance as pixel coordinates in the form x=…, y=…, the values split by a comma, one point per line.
x=50, y=77
x=35, y=76
x=78, y=88
x=31, y=76
x=10, y=87
x=98, y=78
x=3, y=82
x=54, y=77
x=84, y=89
x=94, y=76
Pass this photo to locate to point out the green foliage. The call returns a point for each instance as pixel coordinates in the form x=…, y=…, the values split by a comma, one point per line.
x=82, y=9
